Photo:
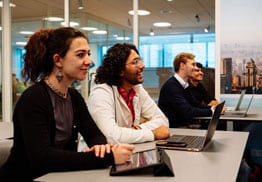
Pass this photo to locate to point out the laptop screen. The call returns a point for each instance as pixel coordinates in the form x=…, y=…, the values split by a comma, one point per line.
x=214, y=121
x=240, y=100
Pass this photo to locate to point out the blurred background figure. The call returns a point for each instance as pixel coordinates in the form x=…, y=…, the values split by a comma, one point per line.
x=197, y=88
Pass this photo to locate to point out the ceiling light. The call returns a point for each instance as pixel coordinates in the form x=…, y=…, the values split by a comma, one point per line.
x=207, y=29
x=11, y=4
x=139, y=12
x=53, y=19
x=80, y=4
x=71, y=23
x=152, y=33
x=89, y=28
x=26, y=32
x=122, y=38
x=21, y=43
x=162, y=24
x=100, y=32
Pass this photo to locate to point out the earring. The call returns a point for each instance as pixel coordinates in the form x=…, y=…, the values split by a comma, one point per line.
x=59, y=76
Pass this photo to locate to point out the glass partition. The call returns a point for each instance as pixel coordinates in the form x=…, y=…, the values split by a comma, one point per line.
x=107, y=22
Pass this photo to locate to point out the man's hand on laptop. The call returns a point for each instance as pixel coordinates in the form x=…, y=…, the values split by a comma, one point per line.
x=213, y=103
x=224, y=109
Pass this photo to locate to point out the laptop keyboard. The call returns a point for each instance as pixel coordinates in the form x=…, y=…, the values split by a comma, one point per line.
x=192, y=141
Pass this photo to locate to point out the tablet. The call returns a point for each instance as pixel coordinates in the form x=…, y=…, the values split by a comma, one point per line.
x=144, y=161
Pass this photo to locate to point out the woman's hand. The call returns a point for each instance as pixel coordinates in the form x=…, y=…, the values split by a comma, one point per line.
x=100, y=150
x=122, y=152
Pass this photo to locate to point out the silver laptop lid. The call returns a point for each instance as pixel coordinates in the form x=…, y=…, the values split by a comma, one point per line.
x=213, y=122
x=240, y=100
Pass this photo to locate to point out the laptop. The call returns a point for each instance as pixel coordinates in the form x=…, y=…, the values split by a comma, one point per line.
x=242, y=113
x=237, y=107
x=193, y=143
x=154, y=161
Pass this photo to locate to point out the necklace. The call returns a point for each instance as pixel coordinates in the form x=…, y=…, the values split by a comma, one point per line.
x=61, y=94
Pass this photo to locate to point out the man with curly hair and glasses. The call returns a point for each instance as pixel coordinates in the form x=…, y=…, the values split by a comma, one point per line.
x=119, y=104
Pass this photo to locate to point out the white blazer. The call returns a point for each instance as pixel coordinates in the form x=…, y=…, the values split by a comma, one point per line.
x=113, y=117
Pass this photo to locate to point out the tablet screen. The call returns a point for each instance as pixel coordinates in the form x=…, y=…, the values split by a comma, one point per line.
x=138, y=160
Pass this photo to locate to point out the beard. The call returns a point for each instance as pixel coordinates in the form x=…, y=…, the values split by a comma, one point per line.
x=133, y=80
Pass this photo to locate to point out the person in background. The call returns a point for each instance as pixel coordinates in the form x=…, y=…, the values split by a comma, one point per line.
x=197, y=88
x=15, y=81
x=49, y=115
x=119, y=104
x=176, y=100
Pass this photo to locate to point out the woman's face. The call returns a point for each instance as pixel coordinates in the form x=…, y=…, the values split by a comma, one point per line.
x=77, y=60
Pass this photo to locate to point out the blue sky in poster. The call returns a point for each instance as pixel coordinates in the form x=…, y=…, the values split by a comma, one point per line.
x=241, y=41
x=241, y=21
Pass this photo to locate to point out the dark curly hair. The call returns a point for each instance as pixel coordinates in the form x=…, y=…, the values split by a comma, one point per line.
x=40, y=48
x=113, y=63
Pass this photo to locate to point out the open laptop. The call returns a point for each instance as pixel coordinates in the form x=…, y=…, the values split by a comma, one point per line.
x=237, y=107
x=193, y=143
x=239, y=113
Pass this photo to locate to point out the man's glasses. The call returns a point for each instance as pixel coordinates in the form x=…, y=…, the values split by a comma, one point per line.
x=135, y=61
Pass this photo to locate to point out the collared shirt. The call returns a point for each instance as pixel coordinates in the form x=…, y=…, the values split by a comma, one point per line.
x=128, y=97
x=181, y=81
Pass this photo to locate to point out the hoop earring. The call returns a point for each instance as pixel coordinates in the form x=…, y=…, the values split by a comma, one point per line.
x=59, y=76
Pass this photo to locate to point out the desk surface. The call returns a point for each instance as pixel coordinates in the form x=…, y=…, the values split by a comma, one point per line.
x=253, y=115
x=219, y=162
x=6, y=130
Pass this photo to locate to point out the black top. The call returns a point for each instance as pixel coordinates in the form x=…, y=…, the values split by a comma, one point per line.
x=63, y=114
x=200, y=93
x=179, y=105
x=34, y=153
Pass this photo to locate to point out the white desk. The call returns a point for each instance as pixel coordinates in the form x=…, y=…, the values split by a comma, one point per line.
x=6, y=130
x=219, y=162
x=254, y=115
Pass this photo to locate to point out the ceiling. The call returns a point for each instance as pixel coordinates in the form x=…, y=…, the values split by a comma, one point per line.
x=180, y=13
